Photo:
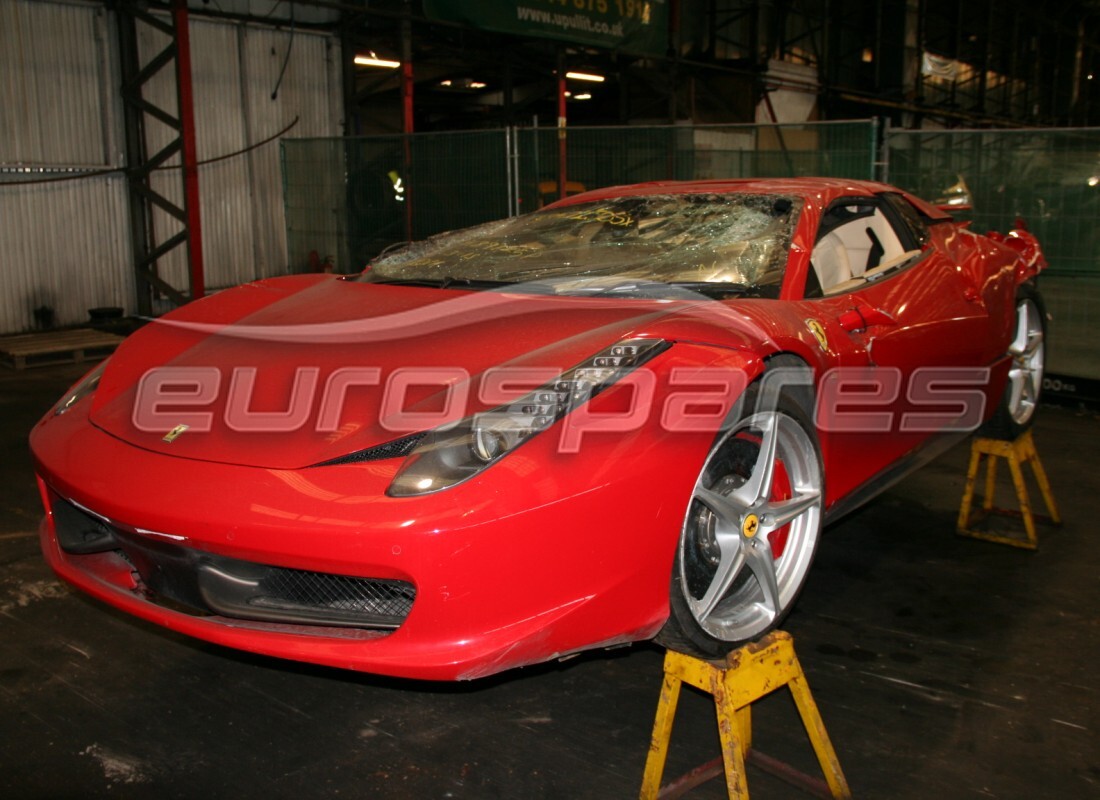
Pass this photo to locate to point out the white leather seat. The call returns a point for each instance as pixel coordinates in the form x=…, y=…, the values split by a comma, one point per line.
x=830, y=261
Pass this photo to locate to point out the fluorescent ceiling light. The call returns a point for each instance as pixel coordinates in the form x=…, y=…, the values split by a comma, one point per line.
x=462, y=83
x=585, y=96
x=585, y=76
x=373, y=61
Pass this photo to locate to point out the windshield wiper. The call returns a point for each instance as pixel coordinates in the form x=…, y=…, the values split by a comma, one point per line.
x=715, y=289
x=649, y=288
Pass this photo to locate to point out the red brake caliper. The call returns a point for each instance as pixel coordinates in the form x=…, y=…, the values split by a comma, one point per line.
x=781, y=490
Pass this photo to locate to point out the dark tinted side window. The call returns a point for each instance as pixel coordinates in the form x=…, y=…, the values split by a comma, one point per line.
x=909, y=217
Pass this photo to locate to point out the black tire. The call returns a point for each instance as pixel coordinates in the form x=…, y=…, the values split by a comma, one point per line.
x=705, y=619
x=1016, y=412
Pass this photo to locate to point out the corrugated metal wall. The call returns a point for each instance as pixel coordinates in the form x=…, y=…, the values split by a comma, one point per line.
x=67, y=245
x=54, y=86
x=308, y=92
x=236, y=70
x=63, y=245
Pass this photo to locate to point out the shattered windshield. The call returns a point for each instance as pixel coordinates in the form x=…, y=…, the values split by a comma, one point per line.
x=735, y=240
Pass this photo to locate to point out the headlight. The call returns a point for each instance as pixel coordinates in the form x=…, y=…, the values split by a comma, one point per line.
x=86, y=386
x=447, y=456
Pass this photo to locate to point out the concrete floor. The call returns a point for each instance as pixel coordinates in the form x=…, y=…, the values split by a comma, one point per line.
x=1074, y=307
x=943, y=667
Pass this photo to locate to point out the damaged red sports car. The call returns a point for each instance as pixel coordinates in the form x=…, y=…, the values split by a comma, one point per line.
x=627, y=415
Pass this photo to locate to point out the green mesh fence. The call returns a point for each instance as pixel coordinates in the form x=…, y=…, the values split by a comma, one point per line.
x=597, y=157
x=1051, y=179
x=1048, y=177
x=348, y=199
x=315, y=200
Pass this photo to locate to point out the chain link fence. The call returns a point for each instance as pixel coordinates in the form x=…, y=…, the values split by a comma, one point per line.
x=597, y=157
x=348, y=199
x=1049, y=178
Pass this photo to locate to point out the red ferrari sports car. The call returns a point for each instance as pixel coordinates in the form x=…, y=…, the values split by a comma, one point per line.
x=624, y=416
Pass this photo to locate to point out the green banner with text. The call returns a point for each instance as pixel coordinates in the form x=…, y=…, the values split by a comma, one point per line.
x=639, y=26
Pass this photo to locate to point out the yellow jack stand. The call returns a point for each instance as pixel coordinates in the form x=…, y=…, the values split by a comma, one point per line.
x=747, y=675
x=1016, y=453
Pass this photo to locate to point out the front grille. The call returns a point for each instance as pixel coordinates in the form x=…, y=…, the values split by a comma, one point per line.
x=203, y=583
x=340, y=593
x=277, y=594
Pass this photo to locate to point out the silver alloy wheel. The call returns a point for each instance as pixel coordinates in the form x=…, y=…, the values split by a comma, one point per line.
x=733, y=582
x=1025, y=376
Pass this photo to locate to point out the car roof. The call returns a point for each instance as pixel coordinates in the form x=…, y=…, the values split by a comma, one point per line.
x=822, y=191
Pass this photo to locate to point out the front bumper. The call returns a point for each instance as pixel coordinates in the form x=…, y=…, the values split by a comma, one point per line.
x=543, y=555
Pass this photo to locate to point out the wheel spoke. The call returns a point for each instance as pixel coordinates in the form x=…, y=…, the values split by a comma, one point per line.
x=1016, y=380
x=1025, y=377
x=759, y=559
x=1020, y=341
x=727, y=511
x=1035, y=380
x=759, y=484
x=1034, y=342
x=776, y=514
x=730, y=564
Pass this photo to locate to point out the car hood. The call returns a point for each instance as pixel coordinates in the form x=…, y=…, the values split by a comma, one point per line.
x=297, y=371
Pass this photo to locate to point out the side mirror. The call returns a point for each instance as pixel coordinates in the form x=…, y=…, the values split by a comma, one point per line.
x=955, y=198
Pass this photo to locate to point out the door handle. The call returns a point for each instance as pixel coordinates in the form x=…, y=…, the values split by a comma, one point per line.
x=862, y=317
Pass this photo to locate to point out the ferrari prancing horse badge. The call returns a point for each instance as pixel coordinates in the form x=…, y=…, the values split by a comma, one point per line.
x=818, y=330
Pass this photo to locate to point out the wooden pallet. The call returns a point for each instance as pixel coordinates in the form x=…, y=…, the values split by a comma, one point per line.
x=57, y=347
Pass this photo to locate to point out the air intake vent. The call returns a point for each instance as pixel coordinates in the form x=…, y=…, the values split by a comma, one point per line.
x=398, y=448
x=253, y=591
x=78, y=531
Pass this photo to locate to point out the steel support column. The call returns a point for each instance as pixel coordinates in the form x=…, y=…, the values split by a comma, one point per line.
x=563, y=147
x=151, y=244
x=190, y=150
x=408, y=121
